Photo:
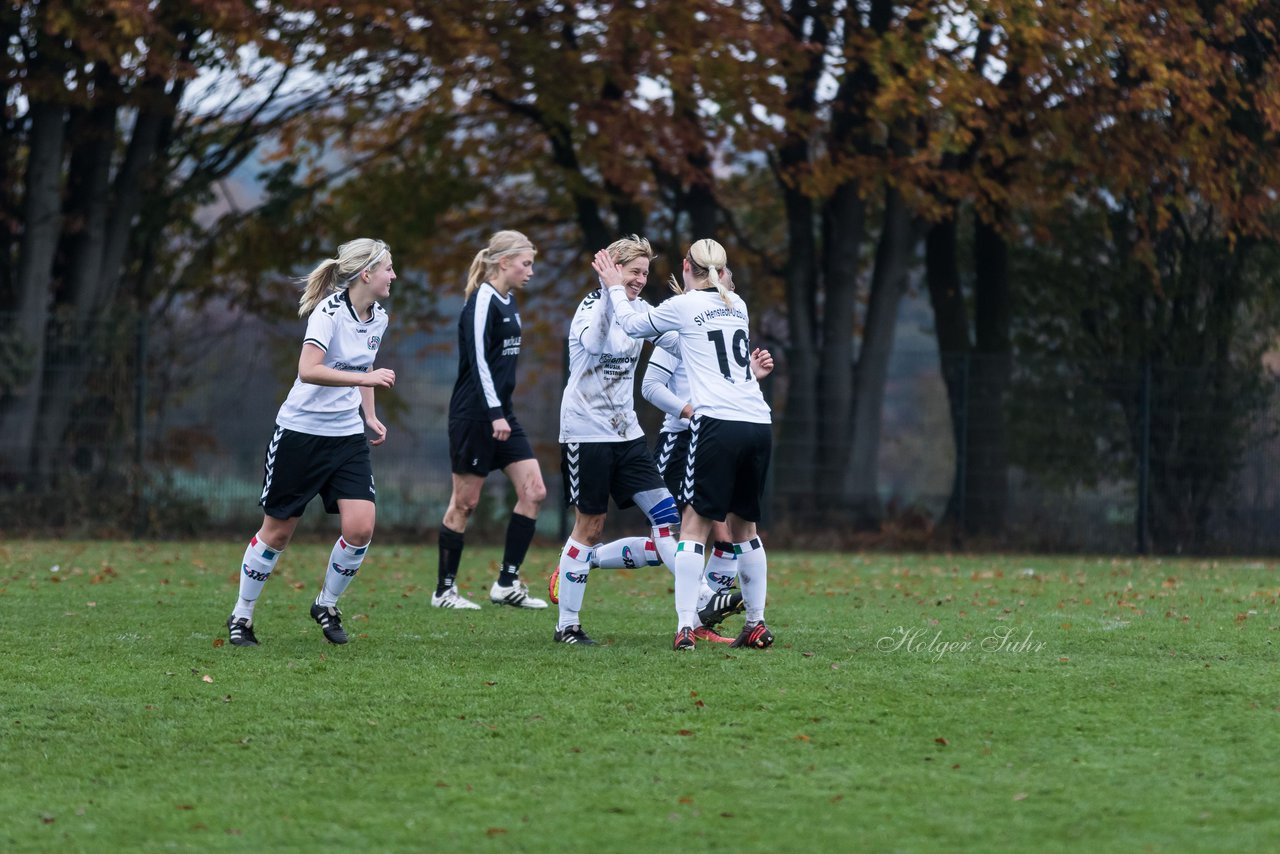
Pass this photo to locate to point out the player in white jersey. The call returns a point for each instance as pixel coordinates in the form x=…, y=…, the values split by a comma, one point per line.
x=319, y=446
x=602, y=448
x=666, y=386
x=730, y=440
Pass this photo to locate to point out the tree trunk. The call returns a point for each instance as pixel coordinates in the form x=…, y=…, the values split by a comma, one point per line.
x=42, y=215
x=951, y=329
x=844, y=229
x=888, y=284
x=796, y=463
x=700, y=202
x=987, y=469
x=108, y=209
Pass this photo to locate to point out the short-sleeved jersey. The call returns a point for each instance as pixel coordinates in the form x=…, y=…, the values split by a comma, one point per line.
x=715, y=346
x=598, y=404
x=349, y=344
x=677, y=382
x=488, y=350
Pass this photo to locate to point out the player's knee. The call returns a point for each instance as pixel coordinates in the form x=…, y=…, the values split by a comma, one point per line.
x=464, y=504
x=659, y=506
x=276, y=537
x=534, y=493
x=358, y=534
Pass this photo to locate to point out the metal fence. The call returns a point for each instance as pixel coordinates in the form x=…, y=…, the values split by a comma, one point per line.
x=167, y=440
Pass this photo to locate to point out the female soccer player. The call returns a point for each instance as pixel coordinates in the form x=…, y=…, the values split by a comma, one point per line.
x=730, y=439
x=666, y=386
x=602, y=449
x=484, y=434
x=319, y=446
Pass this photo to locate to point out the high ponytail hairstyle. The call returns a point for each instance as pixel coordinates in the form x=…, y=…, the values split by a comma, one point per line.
x=485, y=264
x=335, y=274
x=707, y=260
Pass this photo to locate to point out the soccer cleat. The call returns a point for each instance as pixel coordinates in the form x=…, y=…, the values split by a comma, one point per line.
x=451, y=598
x=720, y=605
x=754, y=635
x=517, y=596
x=553, y=586
x=684, y=639
x=241, y=631
x=573, y=634
x=330, y=620
x=706, y=634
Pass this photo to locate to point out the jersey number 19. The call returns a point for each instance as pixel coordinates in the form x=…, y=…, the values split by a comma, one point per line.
x=739, y=349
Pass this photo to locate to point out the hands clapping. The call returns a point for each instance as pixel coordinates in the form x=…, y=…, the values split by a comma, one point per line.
x=608, y=271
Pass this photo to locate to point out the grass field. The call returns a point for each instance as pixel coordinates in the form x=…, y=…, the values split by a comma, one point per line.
x=911, y=703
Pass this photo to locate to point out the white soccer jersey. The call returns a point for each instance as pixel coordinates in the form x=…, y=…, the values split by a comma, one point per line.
x=666, y=368
x=349, y=344
x=598, y=404
x=715, y=348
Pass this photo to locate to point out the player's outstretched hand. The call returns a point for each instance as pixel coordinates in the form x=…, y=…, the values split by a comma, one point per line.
x=609, y=272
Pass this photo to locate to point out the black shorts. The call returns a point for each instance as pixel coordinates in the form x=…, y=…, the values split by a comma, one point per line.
x=473, y=450
x=726, y=467
x=669, y=455
x=300, y=466
x=595, y=470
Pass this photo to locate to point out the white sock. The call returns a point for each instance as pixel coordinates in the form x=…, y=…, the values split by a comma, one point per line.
x=665, y=538
x=344, y=563
x=688, y=572
x=259, y=560
x=704, y=594
x=627, y=553
x=575, y=564
x=722, y=567
x=753, y=574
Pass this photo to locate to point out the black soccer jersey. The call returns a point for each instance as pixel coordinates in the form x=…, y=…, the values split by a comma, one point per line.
x=488, y=349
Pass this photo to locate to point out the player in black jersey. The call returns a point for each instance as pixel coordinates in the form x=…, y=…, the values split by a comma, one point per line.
x=319, y=446
x=484, y=434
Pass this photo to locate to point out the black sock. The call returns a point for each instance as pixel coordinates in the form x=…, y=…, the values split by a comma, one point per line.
x=519, y=535
x=450, y=557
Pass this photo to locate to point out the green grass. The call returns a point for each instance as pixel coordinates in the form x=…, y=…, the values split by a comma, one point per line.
x=1135, y=707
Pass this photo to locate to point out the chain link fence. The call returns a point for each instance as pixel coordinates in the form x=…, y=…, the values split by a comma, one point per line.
x=167, y=434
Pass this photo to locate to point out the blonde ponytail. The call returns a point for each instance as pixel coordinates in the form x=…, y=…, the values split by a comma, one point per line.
x=485, y=264
x=334, y=274
x=707, y=260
